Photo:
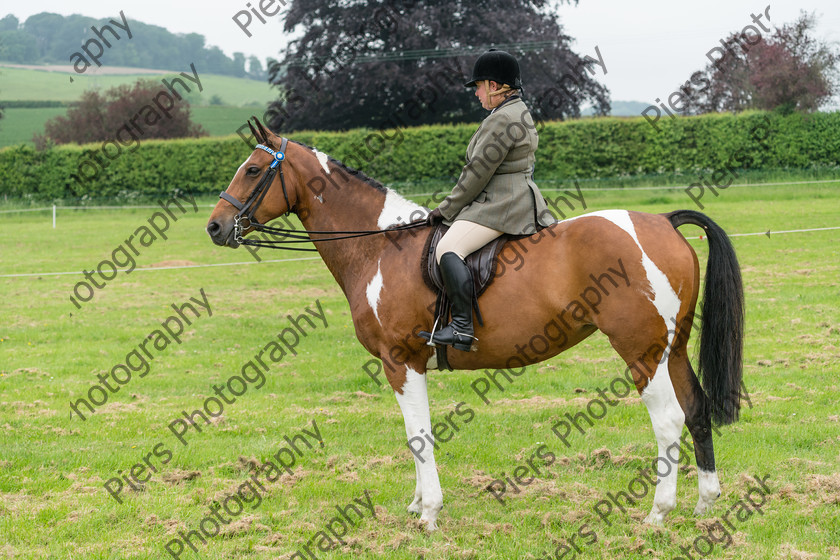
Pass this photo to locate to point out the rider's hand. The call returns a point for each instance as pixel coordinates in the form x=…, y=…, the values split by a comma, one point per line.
x=434, y=217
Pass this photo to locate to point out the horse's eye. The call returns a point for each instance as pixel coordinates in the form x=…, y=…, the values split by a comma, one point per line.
x=253, y=170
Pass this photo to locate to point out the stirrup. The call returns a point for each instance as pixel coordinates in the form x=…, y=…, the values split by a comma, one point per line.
x=457, y=345
x=432, y=335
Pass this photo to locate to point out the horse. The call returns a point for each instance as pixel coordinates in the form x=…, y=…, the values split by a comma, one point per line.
x=645, y=273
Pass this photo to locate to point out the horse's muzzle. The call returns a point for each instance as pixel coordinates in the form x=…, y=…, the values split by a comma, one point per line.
x=221, y=235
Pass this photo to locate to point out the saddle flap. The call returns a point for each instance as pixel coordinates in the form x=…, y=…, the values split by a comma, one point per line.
x=482, y=263
x=482, y=266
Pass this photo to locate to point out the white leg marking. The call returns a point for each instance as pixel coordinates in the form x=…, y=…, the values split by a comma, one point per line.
x=709, y=490
x=414, y=403
x=416, y=505
x=667, y=418
x=666, y=415
x=322, y=159
x=374, y=290
x=398, y=210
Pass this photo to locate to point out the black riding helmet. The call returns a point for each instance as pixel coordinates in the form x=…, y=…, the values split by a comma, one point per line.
x=498, y=66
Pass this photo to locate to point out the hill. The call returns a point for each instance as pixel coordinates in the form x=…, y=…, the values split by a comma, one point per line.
x=234, y=99
x=34, y=84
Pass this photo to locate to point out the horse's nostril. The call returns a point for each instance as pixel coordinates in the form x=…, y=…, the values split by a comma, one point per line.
x=213, y=228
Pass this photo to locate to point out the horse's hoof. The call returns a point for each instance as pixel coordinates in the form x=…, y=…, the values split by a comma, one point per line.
x=431, y=524
x=655, y=519
x=703, y=507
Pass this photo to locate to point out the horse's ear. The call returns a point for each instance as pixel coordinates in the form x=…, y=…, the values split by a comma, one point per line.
x=254, y=132
x=265, y=133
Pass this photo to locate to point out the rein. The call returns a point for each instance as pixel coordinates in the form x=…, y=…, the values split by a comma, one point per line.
x=291, y=236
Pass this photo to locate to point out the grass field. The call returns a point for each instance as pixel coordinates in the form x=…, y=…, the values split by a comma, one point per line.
x=53, y=466
x=18, y=125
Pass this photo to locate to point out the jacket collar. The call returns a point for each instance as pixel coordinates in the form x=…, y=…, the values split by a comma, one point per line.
x=502, y=104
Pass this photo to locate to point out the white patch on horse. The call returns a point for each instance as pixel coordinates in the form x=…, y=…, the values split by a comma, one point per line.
x=374, y=290
x=664, y=409
x=322, y=159
x=414, y=403
x=398, y=210
x=415, y=397
x=667, y=418
x=709, y=487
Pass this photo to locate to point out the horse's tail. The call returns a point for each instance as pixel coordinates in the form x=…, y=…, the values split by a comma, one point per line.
x=722, y=331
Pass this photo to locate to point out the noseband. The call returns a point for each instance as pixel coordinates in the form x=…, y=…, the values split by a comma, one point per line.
x=249, y=208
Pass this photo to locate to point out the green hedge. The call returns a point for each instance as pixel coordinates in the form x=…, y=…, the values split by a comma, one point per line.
x=589, y=148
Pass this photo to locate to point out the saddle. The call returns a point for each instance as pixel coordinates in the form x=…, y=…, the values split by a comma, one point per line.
x=482, y=266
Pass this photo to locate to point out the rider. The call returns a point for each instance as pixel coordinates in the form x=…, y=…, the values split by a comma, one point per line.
x=495, y=193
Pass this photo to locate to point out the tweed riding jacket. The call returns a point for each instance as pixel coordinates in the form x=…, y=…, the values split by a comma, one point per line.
x=496, y=188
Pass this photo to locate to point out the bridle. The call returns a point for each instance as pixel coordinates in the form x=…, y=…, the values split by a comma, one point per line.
x=244, y=218
x=249, y=208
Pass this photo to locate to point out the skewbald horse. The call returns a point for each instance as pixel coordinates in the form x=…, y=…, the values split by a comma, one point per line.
x=647, y=317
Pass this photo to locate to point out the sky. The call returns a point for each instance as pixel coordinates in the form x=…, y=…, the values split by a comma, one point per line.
x=649, y=47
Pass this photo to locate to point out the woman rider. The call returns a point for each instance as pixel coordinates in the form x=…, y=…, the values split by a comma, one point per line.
x=495, y=193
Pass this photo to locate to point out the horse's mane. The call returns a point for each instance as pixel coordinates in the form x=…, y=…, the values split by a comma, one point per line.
x=350, y=171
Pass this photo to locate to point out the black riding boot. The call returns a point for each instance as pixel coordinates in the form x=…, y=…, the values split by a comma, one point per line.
x=458, y=283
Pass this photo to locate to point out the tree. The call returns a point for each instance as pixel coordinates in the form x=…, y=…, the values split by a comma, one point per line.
x=356, y=64
x=52, y=38
x=194, y=46
x=46, y=27
x=786, y=71
x=18, y=47
x=255, y=69
x=217, y=62
x=9, y=23
x=239, y=65
x=99, y=117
